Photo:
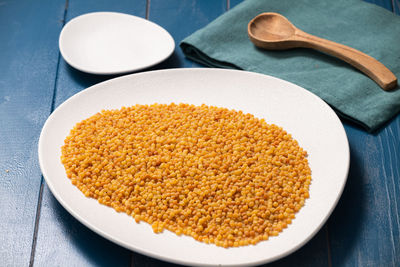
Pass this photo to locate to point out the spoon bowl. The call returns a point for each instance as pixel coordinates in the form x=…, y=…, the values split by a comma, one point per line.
x=275, y=32
x=272, y=31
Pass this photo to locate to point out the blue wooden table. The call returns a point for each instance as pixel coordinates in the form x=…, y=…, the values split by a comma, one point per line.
x=364, y=229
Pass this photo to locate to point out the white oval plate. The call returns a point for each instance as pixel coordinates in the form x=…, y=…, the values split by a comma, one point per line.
x=310, y=120
x=112, y=43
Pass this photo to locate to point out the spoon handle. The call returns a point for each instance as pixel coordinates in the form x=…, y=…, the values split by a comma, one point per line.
x=368, y=65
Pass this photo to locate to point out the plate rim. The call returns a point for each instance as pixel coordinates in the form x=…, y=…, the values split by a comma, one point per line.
x=123, y=71
x=172, y=259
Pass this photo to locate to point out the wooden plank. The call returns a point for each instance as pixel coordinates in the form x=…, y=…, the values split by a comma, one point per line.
x=382, y=3
x=396, y=6
x=364, y=228
x=62, y=240
x=139, y=260
x=28, y=61
x=233, y=3
x=387, y=4
x=182, y=18
x=314, y=253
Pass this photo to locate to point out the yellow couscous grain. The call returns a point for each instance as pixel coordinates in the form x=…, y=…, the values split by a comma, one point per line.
x=217, y=175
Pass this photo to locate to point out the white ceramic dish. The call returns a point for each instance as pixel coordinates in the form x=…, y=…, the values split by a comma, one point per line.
x=310, y=120
x=113, y=43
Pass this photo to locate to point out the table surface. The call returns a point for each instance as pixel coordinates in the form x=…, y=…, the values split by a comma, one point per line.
x=35, y=230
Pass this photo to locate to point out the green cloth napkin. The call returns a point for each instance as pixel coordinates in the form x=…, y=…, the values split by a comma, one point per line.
x=371, y=29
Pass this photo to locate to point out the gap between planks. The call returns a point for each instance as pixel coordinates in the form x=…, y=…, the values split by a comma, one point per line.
x=328, y=246
x=40, y=197
x=147, y=9
x=35, y=229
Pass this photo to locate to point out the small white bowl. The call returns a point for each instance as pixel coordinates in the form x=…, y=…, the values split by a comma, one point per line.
x=113, y=43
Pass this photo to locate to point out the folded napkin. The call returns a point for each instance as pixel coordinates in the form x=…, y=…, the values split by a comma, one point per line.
x=371, y=29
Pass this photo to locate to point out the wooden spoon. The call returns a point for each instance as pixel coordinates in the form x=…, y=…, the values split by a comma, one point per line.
x=274, y=31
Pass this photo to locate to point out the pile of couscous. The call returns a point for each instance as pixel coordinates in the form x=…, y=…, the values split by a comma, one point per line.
x=217, y=175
